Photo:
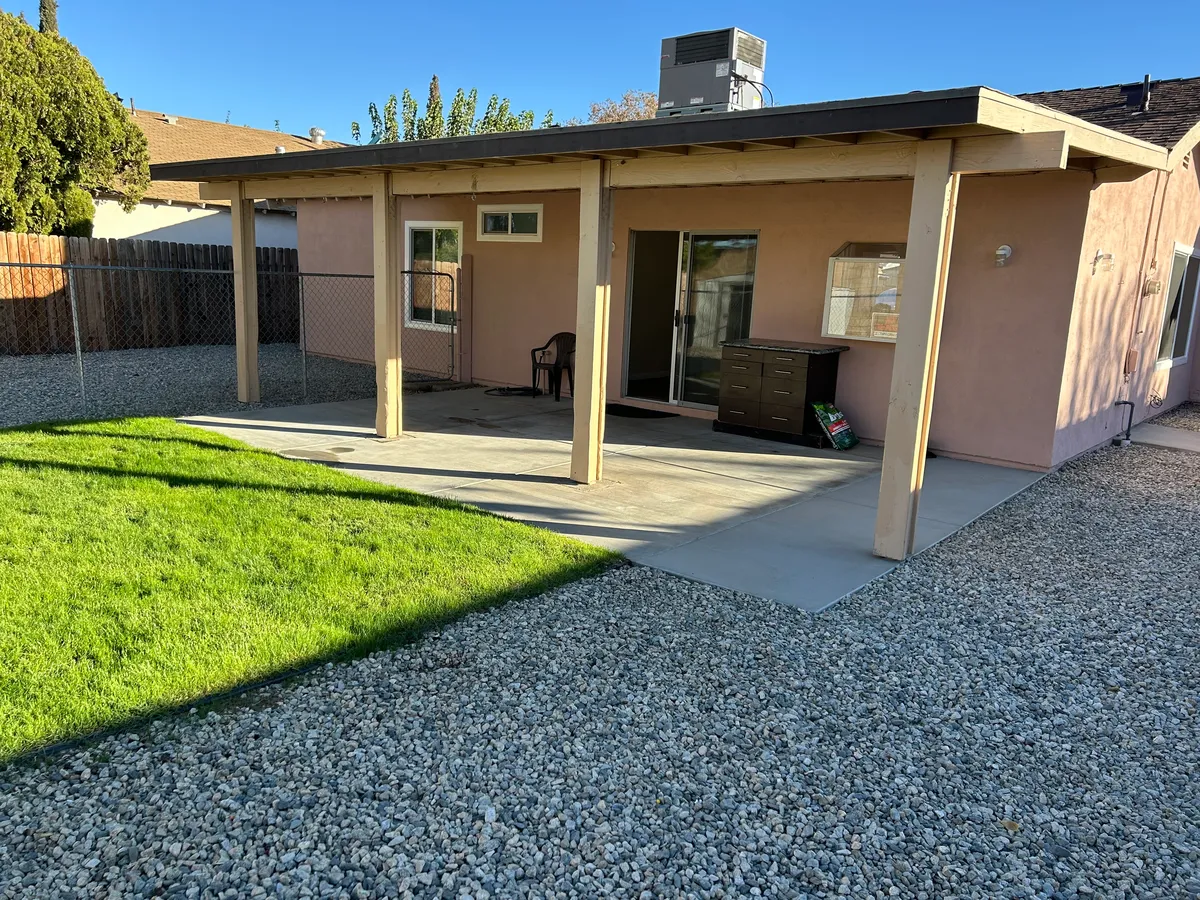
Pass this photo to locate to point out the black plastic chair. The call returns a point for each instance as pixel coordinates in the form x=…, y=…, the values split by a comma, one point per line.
x=563, y=359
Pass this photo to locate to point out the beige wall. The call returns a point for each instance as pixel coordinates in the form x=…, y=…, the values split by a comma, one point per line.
x=1139, y=222
x=1002, y=360
x=1004, y=328
x=523, y=292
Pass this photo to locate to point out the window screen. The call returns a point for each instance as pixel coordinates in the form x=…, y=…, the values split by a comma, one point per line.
x=863, y=297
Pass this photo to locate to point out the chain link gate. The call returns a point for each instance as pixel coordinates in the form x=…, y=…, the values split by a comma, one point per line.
x=429, y=317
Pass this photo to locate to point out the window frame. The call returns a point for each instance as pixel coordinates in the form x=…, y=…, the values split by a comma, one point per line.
x=1190, y=253
x=826, y=302
x=409, y=227
x=485, y=208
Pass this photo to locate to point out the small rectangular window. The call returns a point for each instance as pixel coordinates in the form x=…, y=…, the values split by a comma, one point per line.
x=510, y=223
x=495, y=223
x=862, y=296
x=1179, y=308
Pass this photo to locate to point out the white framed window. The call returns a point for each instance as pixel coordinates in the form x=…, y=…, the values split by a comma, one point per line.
x=432, y=257
x=863, y=292
x=1179, y=307
x=510, y=222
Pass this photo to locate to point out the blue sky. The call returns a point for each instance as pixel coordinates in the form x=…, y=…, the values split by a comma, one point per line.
x=316, y=62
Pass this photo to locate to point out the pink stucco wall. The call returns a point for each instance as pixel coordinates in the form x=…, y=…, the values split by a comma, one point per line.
x=523, y=292
x=1004, y=329
x=1009, y=338
x=1139, y=222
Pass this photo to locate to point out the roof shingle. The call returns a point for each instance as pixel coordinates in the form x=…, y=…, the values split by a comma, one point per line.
x=1174, y=108
x=180, y=139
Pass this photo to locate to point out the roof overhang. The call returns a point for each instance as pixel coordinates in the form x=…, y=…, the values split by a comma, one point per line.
x=864, y=139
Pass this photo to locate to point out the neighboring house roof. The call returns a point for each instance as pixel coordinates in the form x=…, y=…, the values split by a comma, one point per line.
x=179, y=139
x=1174, y=108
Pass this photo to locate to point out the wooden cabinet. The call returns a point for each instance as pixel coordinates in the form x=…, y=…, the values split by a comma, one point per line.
x=768, y=389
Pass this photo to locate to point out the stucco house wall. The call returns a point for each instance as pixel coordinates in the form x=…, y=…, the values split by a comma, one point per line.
x=522, y=292
x=1139, y=222
x=1004, y=332
x=188, y=224
x=1004, y=328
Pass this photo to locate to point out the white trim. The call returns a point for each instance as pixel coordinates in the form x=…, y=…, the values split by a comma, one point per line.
x=825, y=332
x=409, y=321
x=508, y=208
x=1191, y=252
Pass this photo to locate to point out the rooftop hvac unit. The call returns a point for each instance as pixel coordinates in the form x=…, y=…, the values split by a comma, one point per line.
x=711, y=71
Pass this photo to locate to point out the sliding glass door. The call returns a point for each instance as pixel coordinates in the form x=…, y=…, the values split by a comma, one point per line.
x=688, y=292
x=715, y=305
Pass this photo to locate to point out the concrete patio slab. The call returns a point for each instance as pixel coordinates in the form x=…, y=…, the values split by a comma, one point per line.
x=813, y=552
x=1165, y=436
x=789, y=523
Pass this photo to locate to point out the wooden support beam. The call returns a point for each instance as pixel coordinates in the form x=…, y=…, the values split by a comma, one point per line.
x=385, y=239
x=906, y=440
x=1010, y=153
x=651, y=152
x=591, y=330
x=895, y=160
x=716, y=147
x=295, y=187
x=245, y=294
x=507, y=179
x=770, y=144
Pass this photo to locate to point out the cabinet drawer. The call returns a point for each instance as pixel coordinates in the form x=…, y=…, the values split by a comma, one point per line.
x=740, y=368
x=742, y=353
x=738, y=412
x=784, y=391
x=781, y=358
x=781, y=418
x=784, y=370
x=742, y=386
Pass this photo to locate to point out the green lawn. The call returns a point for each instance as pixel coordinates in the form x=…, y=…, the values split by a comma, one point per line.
x=145, y=563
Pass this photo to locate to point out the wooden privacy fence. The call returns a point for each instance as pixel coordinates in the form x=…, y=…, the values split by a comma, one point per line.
x=131, y=294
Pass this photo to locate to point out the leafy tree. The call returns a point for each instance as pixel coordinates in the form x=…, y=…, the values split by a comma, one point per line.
x=433, y=123
x=632, y=105
x=62, y=136
x=410, y=116
x=355, y=132
x=498, y=116
x=48, y=16
x=460, y=120
x=391, y=128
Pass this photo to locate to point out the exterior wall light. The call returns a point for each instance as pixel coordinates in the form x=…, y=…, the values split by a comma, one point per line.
x=1003, y=254
x=1103, y=262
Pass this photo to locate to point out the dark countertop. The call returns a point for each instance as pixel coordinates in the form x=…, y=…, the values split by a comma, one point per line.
x=790, y=346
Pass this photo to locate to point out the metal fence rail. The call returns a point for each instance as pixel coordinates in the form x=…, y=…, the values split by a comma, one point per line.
x=92, y=341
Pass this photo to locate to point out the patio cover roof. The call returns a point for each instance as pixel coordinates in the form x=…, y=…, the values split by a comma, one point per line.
x=957, y=113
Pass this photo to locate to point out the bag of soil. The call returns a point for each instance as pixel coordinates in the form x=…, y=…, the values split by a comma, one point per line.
x=835, y=426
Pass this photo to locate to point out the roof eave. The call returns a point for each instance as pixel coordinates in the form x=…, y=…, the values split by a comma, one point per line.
x=905, y=112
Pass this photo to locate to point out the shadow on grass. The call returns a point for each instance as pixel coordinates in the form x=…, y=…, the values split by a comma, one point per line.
x=246, y=695
x=556, y=572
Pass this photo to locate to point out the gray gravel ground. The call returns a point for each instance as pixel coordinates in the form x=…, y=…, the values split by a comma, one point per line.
x=171, y=381
x=1186, y=417
x=1012, y=714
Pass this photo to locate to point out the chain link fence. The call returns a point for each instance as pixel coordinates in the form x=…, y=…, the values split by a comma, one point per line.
x=102, y=341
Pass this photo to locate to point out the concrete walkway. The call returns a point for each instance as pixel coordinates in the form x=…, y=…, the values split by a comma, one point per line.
x=788, y=523
x=1165, y=436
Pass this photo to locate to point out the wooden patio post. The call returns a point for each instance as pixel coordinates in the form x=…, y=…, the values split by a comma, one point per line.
x=930, y=233
x=591, y=332
x=386, y=249
x=245, y=293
